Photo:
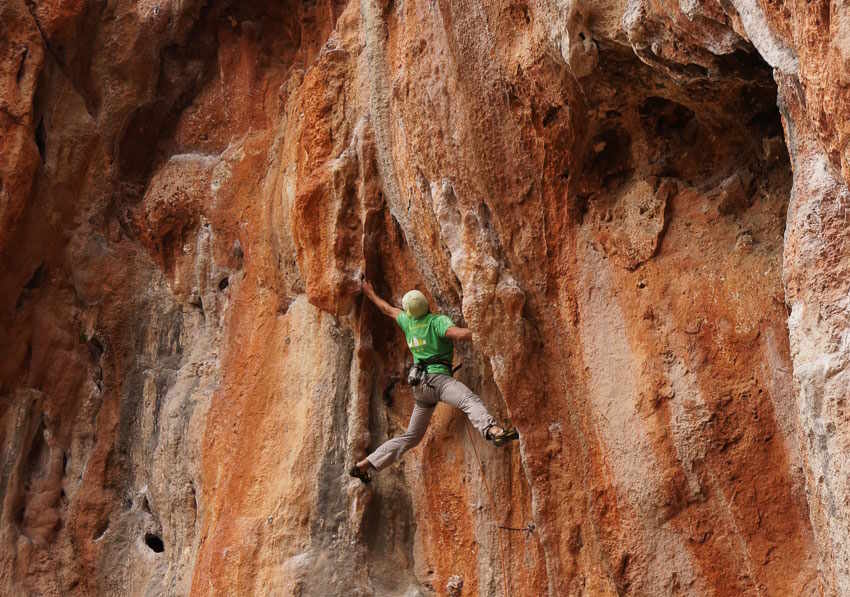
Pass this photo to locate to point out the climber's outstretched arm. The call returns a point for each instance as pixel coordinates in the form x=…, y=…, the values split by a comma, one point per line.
x=456, y=333
x=383, y=306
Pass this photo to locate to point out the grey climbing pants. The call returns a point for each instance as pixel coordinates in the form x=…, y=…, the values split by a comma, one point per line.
x=435, y=388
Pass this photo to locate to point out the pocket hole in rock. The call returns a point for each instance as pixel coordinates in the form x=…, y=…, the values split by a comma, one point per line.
x=224, y=283
x=101, y=529
x=154, y=542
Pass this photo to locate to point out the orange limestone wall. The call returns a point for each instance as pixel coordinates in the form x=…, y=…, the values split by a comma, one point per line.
x=639, y=208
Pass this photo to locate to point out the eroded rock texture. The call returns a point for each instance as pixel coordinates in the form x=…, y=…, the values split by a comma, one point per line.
x=640, y=208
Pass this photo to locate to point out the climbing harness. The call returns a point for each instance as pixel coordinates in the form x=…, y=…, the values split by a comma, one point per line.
x=419, y=369
x=416, y=374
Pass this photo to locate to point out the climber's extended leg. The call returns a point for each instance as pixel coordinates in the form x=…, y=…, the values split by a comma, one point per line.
x=451, y=391
x=454, y=392
x=391, y=450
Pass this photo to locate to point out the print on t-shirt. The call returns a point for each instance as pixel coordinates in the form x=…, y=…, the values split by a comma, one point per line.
x=426, y=339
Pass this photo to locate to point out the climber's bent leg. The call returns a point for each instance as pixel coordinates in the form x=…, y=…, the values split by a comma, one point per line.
x=391, y=450
x=453, y=392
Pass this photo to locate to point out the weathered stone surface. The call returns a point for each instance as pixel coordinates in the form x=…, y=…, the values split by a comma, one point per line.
x=640, y=209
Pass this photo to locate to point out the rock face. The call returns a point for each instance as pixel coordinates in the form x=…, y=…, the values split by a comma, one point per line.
x=640, y=209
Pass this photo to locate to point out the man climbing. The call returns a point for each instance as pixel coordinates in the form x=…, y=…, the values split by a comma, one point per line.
x=429, y=337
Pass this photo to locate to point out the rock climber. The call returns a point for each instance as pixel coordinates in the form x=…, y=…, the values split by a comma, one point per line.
x=429, y=337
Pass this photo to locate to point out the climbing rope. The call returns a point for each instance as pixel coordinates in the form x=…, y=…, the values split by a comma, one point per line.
x=505, y=581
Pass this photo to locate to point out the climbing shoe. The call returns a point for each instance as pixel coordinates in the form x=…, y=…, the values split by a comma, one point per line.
x=356, y=471
x=503, y=437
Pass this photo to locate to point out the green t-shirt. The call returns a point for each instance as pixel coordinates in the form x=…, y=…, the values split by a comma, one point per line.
x=426, y=338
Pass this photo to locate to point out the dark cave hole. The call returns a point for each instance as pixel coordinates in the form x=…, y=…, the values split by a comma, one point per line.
x=398, y=233
x=22, y=66
x=551, y=115
x=100, y=529
x=140, y=135
x=33, y=283
x=696, y=71
x=284, y=304
x=388, y=391
x=664, y=117
x=485, y=216
x=621, y=576
x=39, y=453
x=726, y=125
x=167, y=245
x=154, y=542
x=580, y=207
x=767, y=122
x=224, y=283
x=745, y=64
x=198, y=303
x=36, y=279
x=40, y=139
x=612, y=161
x=96, y=349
